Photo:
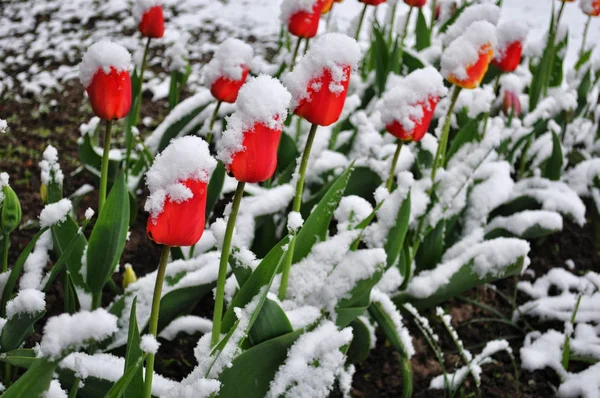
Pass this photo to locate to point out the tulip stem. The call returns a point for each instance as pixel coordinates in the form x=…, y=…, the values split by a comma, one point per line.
x=213, y=119
x=443, y=143
x=392, y=22
x=105, y=161
x=5, y=246
x=296, y=207
x=360, y=22
x=153, y=325
x=295, y=55
x=218, y=313
x=138, y=103
x=390, y=180
x=585, y=34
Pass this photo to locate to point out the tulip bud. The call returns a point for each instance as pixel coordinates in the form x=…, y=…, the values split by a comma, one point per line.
x=319, y=83
x=466, y=60
x=512, y=104
x=11, y=210
x=44, y=193
x=407, y=108
x=372, y=2
x=248, y=148
x=416, y=3
x=509, y=49
x=228, y=70
x=104, y=72
x=150, y=19
x=590, y=7
x=302, y=18
x=177, y=182
x=128, y=276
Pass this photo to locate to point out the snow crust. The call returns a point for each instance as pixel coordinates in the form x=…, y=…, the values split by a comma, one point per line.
x=50, y=168
x=27, y=301
x=479, y=12
x=55, y=213
x=509, y=32
x=103, y=55
x=188, y=324
x=228, y=61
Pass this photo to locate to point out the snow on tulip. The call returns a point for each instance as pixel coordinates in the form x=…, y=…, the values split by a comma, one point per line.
x=509, y=49
x=319, y=84
x=227, y=71
x=177, y=183
x=302, y=16
x=590, y=7
x=466, y=60
x=248, y=148
x=476, y=13
x=149, y=17
x=104, y=72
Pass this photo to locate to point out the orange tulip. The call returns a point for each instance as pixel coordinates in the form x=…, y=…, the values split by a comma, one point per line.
x=590, y=7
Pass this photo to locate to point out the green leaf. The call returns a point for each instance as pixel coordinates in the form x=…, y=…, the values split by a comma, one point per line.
x=358, y=299
x=557, y=71
x=542, y=71
x=215, y=186
x=423, y=36
x=108, y=237
x=175, y=127
x=431, y=250
x=22, y=357
x=516, y=205
x=453, y=18
x=17, y=268
x=583, y=59
x=554, y=164
x=387, y=326
x=241, y=271
x=265, y=235
x=251, y=372
x=134, y=387
x=395, y=239
x=467, y=133
x=363, y=182
x=270, y=323
x=92, y=160
x=180, y=301
x=361, y=342
x=380, y=50
x=17, y=329
x=34, y=382
x=462, y=280
x=122, y=387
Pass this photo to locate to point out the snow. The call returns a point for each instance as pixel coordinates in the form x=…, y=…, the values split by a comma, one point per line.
x=55, y=213
x=72, y=332
x=36, y=262
x=390, y=309
x=50, y=169
x=330, y=51
x=55, y=391
x=3, y=126
x=262, y=100
x=149, y=344
x=89, y=213
x=188, y=324
x=291, y=7
x=589, y=6
x=3, y=182
x=228, y=61
x=27, y=301
x=509, y=32
x=407, y=99
x=351, y=211
x=519, y=223
x=465, y=50
x=480, y=12
x=141, y=6
x=103, y=55
x=312, y=363
x=295, y=221
x=186, y=158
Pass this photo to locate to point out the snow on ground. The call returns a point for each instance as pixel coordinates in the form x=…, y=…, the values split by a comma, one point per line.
x=55, y=34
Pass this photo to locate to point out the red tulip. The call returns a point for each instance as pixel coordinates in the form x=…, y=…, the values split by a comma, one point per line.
x=226, y=90
x=104, y=73
x=416, y=3
x=510, y=58
x=177, y=182
x=322, y=106
x=467, y=58
x=421, y=125
x=512, y=103
x=180, y=223
x=372, y=2
x=152, y=23
x=248, y=147
x=590, y=7
x=301, y=22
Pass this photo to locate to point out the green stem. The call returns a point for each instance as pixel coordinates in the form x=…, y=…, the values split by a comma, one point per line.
x=153, y=325
x=407, y=376
x=585, y=34
x=441, y=150
x=5, y=247
x=74, y=388
x=105, y=161
x=213, y=119
x=295, y=55
x=218, y=313
x=296, y=207
x=392, y=22
x=138, y=103
x=360, y=21
x=497, y=83
x=7, y=375
x=96, y=300
x=306, y=44
x=392, y=174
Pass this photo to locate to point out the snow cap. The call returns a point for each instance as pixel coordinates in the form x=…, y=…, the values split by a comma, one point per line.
x=291, y=7
x=508, y=32
x=262, y=100
x=228, y=60
x=405, y=100
x=479, y=12
x=331, y=51
x=141, y=6
x=55, y=213
x=186, y=158
x=103, y=55
x=465, y=50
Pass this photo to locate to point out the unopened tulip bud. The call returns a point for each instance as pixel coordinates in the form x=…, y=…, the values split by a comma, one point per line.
x=510, y=48
x=226, y=73
x=416, y=3
x=128, y=276
x=150, y=18
x=11, y=210
x=512, y=104
x=302, y=18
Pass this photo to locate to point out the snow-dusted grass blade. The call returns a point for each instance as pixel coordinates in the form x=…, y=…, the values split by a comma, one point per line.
x=361, y=341
x=121, y=386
